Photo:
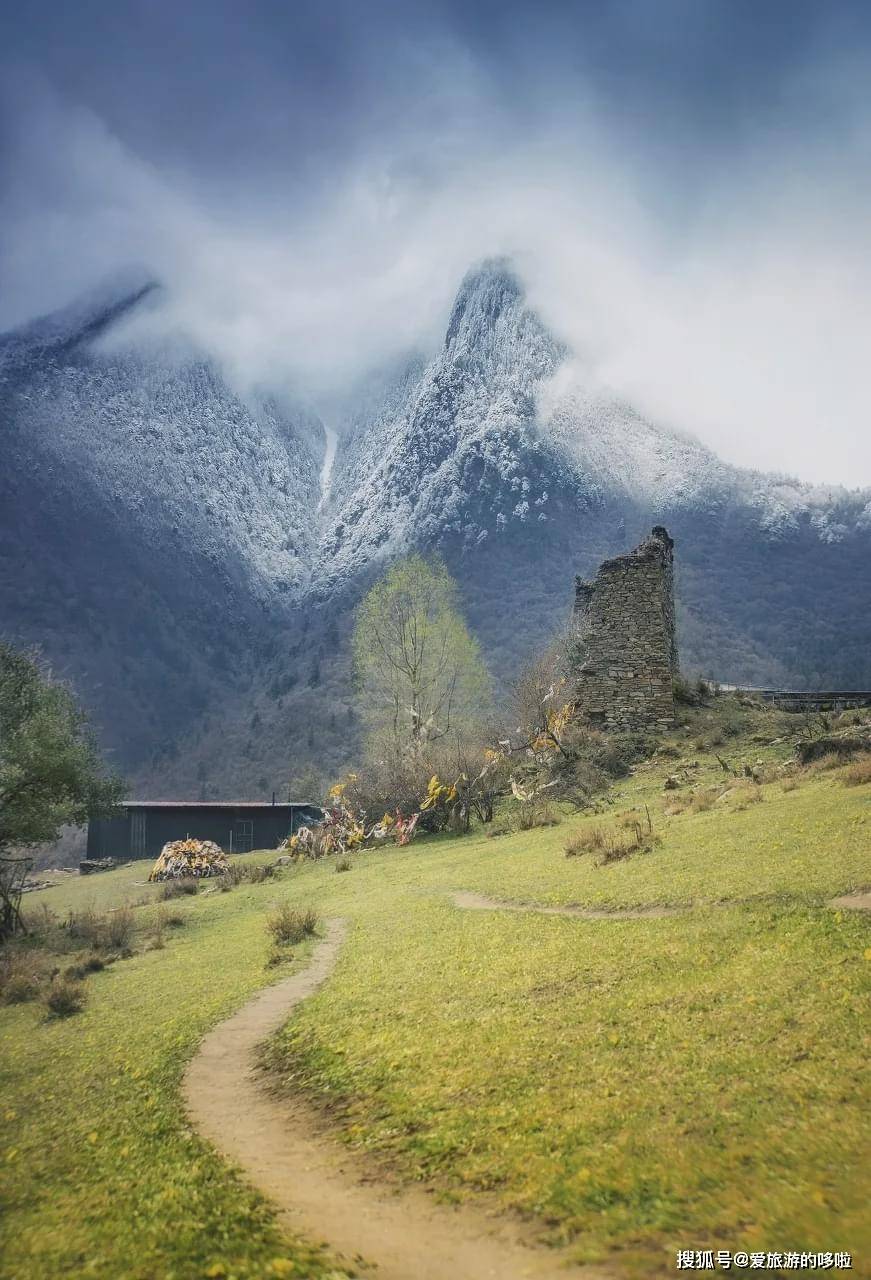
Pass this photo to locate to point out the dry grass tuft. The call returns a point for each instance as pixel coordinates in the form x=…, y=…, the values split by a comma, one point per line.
x=537, y=815
x=633, y=833
x=858, y=774
x=290, y=925
x=178, y=888
x=20, y=979
x=588, y=840
x=112, y=931
x=119, y=928
x=239, y=873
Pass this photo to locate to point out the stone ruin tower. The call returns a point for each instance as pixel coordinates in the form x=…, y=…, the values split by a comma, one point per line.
x=626, y=650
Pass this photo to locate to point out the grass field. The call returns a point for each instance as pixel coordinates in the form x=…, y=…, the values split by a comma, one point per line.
x=636, y=1085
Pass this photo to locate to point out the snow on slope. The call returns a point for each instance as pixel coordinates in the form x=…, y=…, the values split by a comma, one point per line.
x=166, y=533
x=466, y=445
x=420, y=463
x=477, y=439
x=164, y=437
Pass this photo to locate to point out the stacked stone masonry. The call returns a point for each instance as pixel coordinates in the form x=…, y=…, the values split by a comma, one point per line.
x=625, y=647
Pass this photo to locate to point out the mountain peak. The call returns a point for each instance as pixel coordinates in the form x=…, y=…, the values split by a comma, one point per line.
x=487, y=291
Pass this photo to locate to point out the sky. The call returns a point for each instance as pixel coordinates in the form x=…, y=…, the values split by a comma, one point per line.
x=684, y=187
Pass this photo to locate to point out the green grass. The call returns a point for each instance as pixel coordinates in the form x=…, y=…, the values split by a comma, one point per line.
x=805, y=844
x=101, y=1176
x=635, y=1085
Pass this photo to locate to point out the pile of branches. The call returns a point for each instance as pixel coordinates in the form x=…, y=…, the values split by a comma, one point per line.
x=344, y=828
x=189, y=859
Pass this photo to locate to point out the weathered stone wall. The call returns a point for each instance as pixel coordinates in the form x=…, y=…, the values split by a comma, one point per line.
x=626, y=649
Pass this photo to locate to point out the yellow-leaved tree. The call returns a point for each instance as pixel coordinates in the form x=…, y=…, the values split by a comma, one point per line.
x=418, y=668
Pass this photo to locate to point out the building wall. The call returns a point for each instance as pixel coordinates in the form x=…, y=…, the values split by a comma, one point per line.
x=124, y=837
x=625, y=651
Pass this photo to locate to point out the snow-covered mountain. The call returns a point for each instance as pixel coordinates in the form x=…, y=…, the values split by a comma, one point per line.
x=503, y=453
x=190, y=555
x=502, y=400
x=155, y=524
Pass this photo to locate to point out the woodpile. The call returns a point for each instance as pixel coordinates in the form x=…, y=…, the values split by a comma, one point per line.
x=186, y=859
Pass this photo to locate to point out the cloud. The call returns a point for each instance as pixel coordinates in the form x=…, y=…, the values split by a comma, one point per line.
x=724, y=292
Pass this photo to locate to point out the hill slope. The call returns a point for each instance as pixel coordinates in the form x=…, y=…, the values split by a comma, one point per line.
x=570, y=1069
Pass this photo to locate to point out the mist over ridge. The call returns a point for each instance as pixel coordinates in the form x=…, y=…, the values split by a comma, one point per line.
x=685, y=200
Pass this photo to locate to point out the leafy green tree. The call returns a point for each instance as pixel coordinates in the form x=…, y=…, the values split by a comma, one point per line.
x=418, y=668
x=51, y=773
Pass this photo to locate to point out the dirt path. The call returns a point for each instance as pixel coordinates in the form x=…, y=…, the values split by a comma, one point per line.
x=319, y=1187
x=853, y=901
x=478, y=902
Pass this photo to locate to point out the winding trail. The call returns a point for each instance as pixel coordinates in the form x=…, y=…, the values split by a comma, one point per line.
x=326, y=1193
x=853, y=901
x=321, y=1189
x=478, y=902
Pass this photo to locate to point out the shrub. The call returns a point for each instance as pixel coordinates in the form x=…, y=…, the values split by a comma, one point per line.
x=19, y=980
x=20, y=987
x=91, y=964
x=238, y=873
x=702, y=801
x=343, y=864
x=65, y=998
x=533, y=814
x=234, y=874
x=289, y=925
x=85, y=926
x=789, y=784
x=825, y=746
x=691, y=693
x=858, y=774
x=825, y=763
x=119, y=929
x=615, y=851
x=110, y=932
x=616, y=756
x=684, y=692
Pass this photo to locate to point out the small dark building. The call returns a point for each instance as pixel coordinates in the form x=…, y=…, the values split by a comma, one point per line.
x=145, y=826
